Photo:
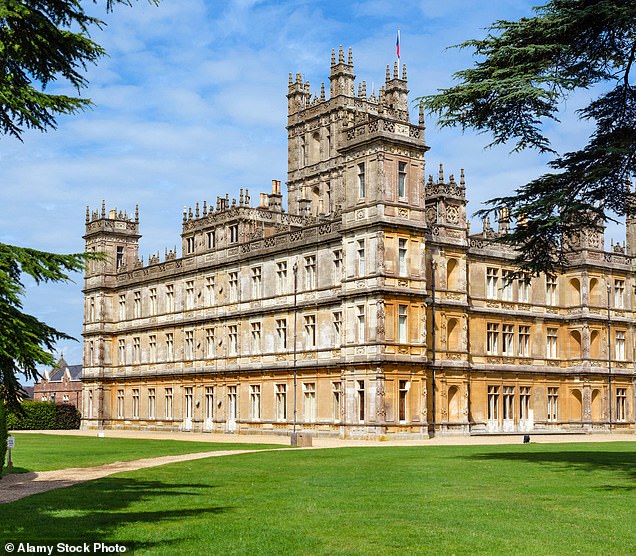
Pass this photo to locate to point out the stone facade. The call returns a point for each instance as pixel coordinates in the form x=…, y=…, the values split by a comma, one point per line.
x=365, y=309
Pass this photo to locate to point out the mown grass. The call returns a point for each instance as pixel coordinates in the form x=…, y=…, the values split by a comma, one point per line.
x=521, y=499
x=45, y=452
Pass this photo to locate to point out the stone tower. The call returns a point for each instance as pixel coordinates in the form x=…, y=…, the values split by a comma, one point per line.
x=117, y=236
x=352, y=149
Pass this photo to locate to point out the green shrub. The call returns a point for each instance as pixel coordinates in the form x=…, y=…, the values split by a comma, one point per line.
x=67, y=417
x=44, y=416
x=3, y=435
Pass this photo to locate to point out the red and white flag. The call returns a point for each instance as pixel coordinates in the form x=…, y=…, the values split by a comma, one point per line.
x=397, y=45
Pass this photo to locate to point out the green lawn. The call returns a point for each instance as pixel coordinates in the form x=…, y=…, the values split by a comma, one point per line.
x=45, y=452
x=517, y=499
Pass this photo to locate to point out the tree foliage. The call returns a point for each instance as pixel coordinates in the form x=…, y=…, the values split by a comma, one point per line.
x=25, y=341
x=43, y=41
x=524, y=70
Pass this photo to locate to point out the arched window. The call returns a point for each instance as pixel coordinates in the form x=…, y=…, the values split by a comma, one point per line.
x=453, y=404
x=452, y=274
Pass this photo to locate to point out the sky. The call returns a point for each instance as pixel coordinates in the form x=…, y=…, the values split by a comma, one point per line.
x=190, y=104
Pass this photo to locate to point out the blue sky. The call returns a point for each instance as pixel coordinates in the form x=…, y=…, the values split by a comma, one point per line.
x=190, y=104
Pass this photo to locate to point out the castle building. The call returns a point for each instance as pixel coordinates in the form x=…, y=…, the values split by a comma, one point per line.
x=365, y=309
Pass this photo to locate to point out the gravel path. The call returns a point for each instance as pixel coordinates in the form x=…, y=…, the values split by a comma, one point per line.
x=18, y=485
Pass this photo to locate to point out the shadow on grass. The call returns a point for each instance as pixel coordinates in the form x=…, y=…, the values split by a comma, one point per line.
x=623, y=463
x=95, y=510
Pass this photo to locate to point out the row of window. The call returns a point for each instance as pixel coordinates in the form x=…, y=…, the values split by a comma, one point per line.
x=401, y=180
x=501, y=403
x=281, y=336
x=212, y=405
x=500, y=285
x=282, y=278
x=500, y=340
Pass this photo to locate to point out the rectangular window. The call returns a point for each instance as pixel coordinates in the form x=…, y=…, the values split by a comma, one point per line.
x=91, y=353
x=232, y=403
x=507, y=337
x=402, y=260
x=152, y=348
x=233, y=282
x=168, y=404
x=493, y=403
x=135, y=403
x=122, y=352
x=619, y=294
x=551, y=290
x=508, y=402
x=90, y=404
x=281, y=402
x=621, y=403
x=524, y=403
x=136, y=349
x=190, y=294
x=234, y=233
x=169, y=346
x=210, y=349
x=492, y=279
x=281, y=334
x=152, y=301
x=401, y=180
x=152, y=403
x=232, y=331
x=189, y=245
x=402, y=323
x=361, y=324
x=189, y=405
x=524, y=341
x=120, y=404
x=211, y=239
x=210, y=297
x=256, y=337
x=256, y=282
x=122, y=307
x=337, y=264
x=310, y=272
x=551, y=343
x=619, y=345
x=523, y=287
x=362, y=259
x=361, y=400
x=281, y=277
x=309, y=392
x=336, y=398
x=506, y=285
x=403, y=392
x=361, y=181
x=120, y=258
x=91, y=310
x=209, y=403
x=553, y=403
x=169, y=298
x=189, y=344
x=255, y=401
x=492, y=338
x=337, y=327
x=310, y=331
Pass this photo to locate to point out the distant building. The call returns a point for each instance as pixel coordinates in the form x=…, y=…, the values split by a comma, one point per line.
x=62, y=384
x=397, y=318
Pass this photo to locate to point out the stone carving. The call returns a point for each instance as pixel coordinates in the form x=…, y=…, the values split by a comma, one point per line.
x=380, y=318
x=380, y=401
x=587, y=404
